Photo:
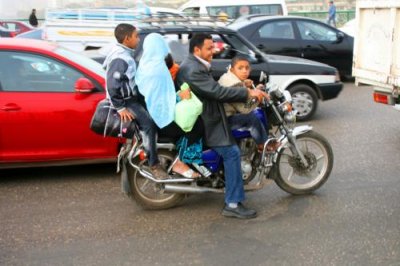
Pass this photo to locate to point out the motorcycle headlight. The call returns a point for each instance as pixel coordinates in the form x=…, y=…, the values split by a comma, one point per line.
x=290, y=117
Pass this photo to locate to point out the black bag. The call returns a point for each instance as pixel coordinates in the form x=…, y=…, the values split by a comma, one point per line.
x=107, y=122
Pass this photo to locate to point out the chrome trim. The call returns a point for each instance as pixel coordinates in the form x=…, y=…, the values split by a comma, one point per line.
x=191, y=189
x=166, y=146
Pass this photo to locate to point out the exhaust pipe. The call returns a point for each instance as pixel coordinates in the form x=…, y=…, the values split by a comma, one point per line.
x=190, y=189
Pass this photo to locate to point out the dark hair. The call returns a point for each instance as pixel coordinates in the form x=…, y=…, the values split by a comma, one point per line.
x=122, y=31
x=238, y=58
x=169, y=60
x=198, y=41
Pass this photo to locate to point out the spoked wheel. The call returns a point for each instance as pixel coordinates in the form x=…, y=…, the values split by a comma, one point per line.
x=293, y=177
x=149, y=194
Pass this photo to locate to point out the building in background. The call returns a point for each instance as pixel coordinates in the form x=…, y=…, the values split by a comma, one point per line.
x=318, y=5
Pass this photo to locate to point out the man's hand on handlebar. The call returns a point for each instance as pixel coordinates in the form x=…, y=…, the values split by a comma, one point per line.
x=259, y=94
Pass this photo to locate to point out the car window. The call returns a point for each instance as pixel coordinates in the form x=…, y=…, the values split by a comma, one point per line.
x=315, y=32
x=227, y=46
x=178, y=45
x=34, y=73
x=192, y=11
x=11, y=26
x=82, y=60
x=277, y=30
x=234, y=12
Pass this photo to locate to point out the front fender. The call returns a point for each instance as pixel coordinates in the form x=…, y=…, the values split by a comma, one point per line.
x=301, y=130
x=297, y=131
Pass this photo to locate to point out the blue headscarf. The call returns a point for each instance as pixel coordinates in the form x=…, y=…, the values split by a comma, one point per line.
x=155, y=82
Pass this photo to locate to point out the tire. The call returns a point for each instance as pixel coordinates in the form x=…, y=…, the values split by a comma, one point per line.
x=305, y=101
x=292, y=165
x=157, y=200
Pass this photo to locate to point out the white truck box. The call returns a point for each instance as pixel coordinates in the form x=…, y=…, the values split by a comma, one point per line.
x=80, y=29
x=376, y=59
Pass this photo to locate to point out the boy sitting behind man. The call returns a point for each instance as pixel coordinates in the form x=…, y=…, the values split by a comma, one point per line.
x=240, y=114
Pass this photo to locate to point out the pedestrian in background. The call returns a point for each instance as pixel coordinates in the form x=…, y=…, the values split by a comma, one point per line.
x=332, y=14
x=33, y=19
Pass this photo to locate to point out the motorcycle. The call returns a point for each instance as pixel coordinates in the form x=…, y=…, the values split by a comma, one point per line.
x=301, y=164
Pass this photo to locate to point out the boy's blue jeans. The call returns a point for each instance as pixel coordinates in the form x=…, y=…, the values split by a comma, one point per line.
x=147, y=129
x=234, y=191
x=251, y=123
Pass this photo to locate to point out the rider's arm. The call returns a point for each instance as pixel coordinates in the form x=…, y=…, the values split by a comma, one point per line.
x=115, y=83
x=205, y=86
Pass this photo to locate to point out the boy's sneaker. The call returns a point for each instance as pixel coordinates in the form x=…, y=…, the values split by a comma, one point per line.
x=159, y=172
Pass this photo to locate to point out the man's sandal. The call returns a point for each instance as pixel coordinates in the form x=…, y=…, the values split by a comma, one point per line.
x=188, y=174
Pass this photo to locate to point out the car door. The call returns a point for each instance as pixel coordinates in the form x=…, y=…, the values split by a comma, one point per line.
x=276, y=37
x=324, y=44
x=42, y=118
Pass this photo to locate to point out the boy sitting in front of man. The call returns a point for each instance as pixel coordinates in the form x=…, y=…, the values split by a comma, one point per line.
x=120, y=75
x=240, y=115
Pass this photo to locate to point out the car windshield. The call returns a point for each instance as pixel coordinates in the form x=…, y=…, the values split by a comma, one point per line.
x=82, y=60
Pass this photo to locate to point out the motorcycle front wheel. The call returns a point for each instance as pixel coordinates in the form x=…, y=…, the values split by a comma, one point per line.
x=295, y=178
x=149, y=194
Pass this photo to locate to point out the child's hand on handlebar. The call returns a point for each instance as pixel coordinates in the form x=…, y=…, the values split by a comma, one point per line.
x=260, y=87
x=248, y=83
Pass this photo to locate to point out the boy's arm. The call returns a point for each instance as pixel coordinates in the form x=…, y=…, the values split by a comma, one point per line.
x=115, y=82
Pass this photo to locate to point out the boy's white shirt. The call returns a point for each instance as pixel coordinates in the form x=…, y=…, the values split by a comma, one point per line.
x=231, y=80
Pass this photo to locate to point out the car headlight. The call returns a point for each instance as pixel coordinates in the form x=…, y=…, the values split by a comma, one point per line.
x=337, y=76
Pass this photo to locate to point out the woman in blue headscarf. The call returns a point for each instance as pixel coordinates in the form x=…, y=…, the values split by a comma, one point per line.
x=155, y=83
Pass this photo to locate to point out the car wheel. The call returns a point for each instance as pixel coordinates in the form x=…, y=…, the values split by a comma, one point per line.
x=305, y=101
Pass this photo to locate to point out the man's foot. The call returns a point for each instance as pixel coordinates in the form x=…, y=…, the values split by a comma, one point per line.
x=159, y=172
x=239, y=212
x=184, y=170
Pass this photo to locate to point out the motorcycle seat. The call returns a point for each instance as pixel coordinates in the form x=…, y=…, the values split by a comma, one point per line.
x=163, y=139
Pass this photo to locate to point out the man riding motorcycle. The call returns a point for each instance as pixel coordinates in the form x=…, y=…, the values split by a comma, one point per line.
x=195, y=70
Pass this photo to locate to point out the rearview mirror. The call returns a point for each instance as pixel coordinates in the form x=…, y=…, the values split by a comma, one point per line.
x=339, y=37
x=263, y=77
x=84, y=85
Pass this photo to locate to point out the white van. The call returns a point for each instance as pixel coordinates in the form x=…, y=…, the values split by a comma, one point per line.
x=234, y=9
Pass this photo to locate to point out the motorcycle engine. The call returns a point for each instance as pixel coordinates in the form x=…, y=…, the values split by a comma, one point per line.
x=247, y=150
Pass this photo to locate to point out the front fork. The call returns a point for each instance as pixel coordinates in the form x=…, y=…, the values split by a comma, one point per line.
x=289, y=136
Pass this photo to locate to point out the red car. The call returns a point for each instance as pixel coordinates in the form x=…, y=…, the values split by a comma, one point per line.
x=16, y=26
x=47, y=98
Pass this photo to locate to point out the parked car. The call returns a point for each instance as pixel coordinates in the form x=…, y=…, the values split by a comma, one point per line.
x=17, y=26
x=36, y=34
x=6, y=32
x=299, y=37
x=45, y=109
x=308, y=81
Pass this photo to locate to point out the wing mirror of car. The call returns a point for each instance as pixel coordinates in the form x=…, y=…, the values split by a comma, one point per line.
x=339, y=37
x=84, y=85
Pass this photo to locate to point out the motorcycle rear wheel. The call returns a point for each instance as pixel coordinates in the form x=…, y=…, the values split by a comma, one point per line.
x=294, y=178
x=149, y=194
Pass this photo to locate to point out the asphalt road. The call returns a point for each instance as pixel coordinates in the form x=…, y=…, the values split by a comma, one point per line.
x=78, y=216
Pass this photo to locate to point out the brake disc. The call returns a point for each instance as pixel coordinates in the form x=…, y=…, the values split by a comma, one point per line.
x=298, y=166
